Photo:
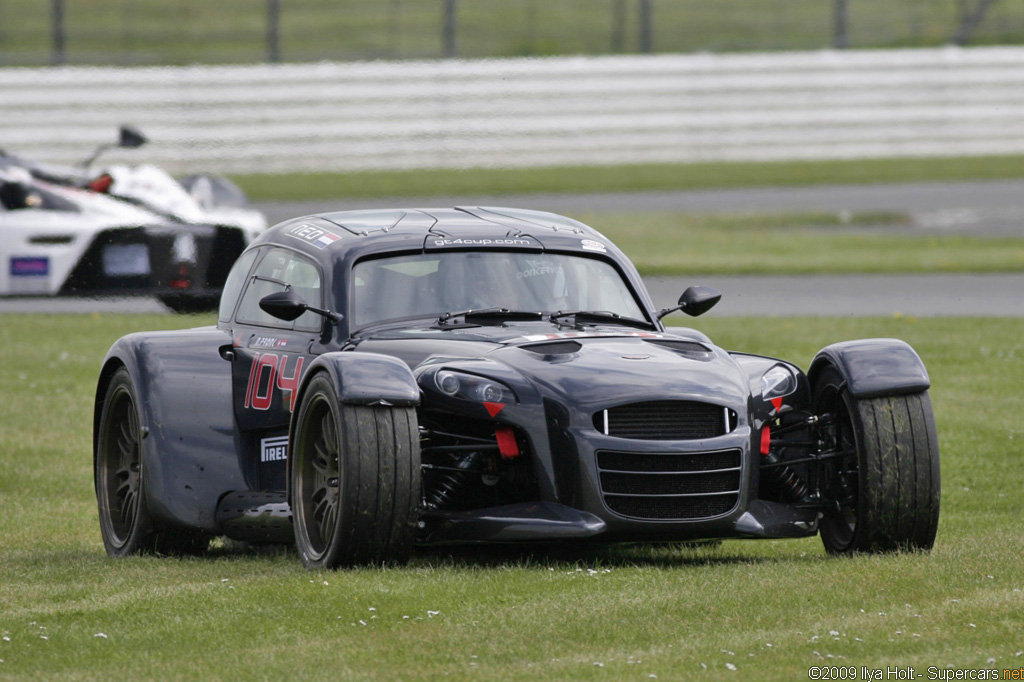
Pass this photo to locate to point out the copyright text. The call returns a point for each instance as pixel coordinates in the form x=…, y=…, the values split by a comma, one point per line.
x=852, y=672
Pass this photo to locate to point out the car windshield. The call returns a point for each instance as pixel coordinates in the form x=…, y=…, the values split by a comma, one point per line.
x=431, y=284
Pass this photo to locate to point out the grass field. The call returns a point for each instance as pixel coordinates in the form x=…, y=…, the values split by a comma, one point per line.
x=188, y=31
x=769, y=610
x=799, y=243
x=625, y=178
x=680, y=243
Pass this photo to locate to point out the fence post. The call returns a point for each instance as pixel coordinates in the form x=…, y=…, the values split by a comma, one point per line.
x=618, y=41
x=970, y=20
x=840, y=37
x=274, y=31
x=646, y=18
x=449, y=32
x=59, y=41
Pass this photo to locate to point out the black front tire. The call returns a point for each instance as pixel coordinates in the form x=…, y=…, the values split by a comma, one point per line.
x=354, y=481
x=886, y=485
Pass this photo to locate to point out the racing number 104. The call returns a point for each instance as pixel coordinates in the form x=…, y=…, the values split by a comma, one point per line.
x=270, y=370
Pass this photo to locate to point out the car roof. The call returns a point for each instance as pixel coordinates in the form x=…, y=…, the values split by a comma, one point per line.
x=347, y=234
x=338, y=240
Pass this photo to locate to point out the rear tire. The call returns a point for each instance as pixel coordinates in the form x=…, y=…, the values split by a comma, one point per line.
x=120, y=481
x=354, y=480
x=887, y=486
x=119, y=478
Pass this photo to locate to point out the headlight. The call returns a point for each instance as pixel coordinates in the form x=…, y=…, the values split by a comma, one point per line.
x=472, y=387
x=777, y=382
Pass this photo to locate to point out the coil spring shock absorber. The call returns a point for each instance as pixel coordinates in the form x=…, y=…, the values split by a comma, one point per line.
x=445, y=482
x=784, y=480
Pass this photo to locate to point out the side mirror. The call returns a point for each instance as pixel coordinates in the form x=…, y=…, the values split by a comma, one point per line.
x=698, y=300
x=695, y=301
x=284, y=305
x=131, y=138
x=287, y=305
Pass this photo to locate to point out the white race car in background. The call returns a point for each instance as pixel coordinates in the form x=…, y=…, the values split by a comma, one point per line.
x=126, y=230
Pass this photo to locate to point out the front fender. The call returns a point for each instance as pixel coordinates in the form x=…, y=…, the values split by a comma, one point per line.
x=874, y=367
x=358, y=379
x=365, y=379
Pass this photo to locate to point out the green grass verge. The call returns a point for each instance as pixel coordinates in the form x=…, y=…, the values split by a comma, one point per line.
x=189, y=31
x=768, y=609
x=798, y=243
x=625, y=178
x=679, y=243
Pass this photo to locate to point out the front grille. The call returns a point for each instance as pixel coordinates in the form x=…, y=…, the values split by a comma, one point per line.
x=664, y=486
x=672, y=508
x=669, y=484
x=665, y=420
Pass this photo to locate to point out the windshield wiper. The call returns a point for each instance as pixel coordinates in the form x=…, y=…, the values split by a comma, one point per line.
x=485, y=315
x=599, y=316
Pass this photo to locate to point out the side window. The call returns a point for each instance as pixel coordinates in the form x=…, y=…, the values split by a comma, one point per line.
x=280, y=269
x=233, y=285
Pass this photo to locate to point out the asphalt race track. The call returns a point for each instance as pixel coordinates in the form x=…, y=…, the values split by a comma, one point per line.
x=981, y=208
x=992, y=207
x=957, y=295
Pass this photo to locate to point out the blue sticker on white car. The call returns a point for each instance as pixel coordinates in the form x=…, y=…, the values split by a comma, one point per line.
x=35, y=266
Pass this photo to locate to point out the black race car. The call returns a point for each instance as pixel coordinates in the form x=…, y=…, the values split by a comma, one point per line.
x=387, y=378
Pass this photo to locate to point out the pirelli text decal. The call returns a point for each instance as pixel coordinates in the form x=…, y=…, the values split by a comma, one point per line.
x=274, y=449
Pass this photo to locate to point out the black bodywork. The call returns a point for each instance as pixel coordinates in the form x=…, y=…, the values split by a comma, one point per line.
x=617, y=430
x=199, y=278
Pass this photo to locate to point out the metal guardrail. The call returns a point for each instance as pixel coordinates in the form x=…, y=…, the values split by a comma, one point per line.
x=527, y=112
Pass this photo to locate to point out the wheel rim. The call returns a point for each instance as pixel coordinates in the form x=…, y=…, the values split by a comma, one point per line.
x=120, y=467
x=318, y=478
x=843, y=476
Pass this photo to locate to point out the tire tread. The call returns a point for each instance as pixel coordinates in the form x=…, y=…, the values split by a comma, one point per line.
x=898, y=461
x=379, y=470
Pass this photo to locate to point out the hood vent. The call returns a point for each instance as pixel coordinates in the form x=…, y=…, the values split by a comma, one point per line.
x=554, y=347
x=688, y=349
